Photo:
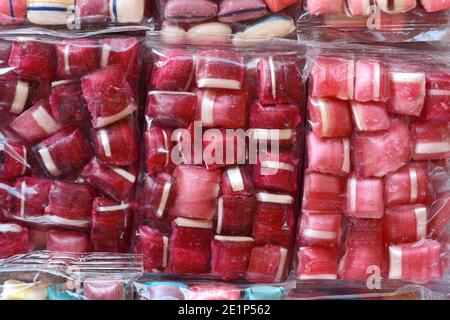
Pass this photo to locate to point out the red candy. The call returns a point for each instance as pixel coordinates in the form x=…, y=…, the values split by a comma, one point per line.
x=364, y=197
x=67, y=103
x=267, y=264
x=320, y=229
x=76, y=58
x=13, y=12
x=154, y=245
x=407, y=92
x=236, y=181
x=319, y=186
x=405, y=223
x=67, y=241
x=437, y=100
x=235, y=215
x=317, y=263
x=13, y=158
x=370, y=116
x=431, y=140
x=173, y=71
x=330, y=117
x=214, y=292
x=371, y=81
x=156, y=195
x=32, y=60
x=14, y=94
x=93, y=11
x=103, y=289
x=31, y=197
x=282, y=116
x=158, y=146
x=171, y=108
x=14, y=240
x=276, y=171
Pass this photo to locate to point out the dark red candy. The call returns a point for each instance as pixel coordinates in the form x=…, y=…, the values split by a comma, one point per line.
x=14, y=239
x=158, y=146
x=75, y=58
x=280, y=116
x=236, y=181
x=31, y=196
x=154, y=245
x=105, y=288
x=67, y=103
x=32, y=59
x=276, y=171
x=14, y=94
x=171, y=108
x=13, y=158
x=5, y=195
x=268, y=264
x=67, y=241
x=235, y=215
x=93, y=11
x=217, y=152
x=156, y=195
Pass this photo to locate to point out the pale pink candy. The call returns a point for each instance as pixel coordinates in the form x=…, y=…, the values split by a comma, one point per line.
x=358, y=7
x=435, y=5
x=370, y=116
x=318, y=7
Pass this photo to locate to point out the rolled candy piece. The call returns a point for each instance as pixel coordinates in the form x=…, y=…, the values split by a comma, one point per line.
x=431, y=140
x=209, y=33
x=405, y=223
x=273, y=26
x=173, y=70
x=70, y=203
x=220, y=69
x=279, y=80
x=14, y=94
x=319, y=7
x=364, y=197
x=268, y=264
x=330, y=155
x=333, y=77
x=171, y=108
x=319, y=186
x=126, y=11
x=232, y=11
x=398, y=6
x=93, y=11
x=76, y=58
x=274, y=220
x=14, y=158
x=408, y=185
x=190, y=246
x=13, y=12
x=278, y=5
x=437, y=100
x=235, y=215
x=214, y=292
x=199, y=202
x=154, y=246
x=116, y=144
x=67, y=103
x=364, y=232
x=357, y=7
x=264, y=293
x=108, y=95
x=360, y=262
x=166, y=290
x=115, y=182
x=418, y=262
x=280, y=116
x=185, y=11
x=230, y=257
x=64, y=153
x=317, y=263
x=370, y=116
x=111, y=222
x=330, y=117
x=31, y=196
x=36, y=123
x=14, y=239
x=277, y=171
x=103, y=288
x=18, y=290
x=32, y=59
x=320, y=229
x=221, y=108
x=377, y=154
x=157, y=195
x=433, y=5
x=51, y=12
x=371, y=80
x=158, y=147
x=407, y=92
x=236, y=181
x=67, y=241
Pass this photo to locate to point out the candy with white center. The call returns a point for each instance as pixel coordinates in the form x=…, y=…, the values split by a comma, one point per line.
x=67, y=103
x=317, y=263
x=330, y=117
x=220, y=70
x=76, y=58
x=364, y=197
x=93, y=11
x=278, y=5
x=30, y=197
x=330, y=155
x=437, y=100
x=370, y=116
x=319, y=186
x=333, y=77
x=235, y=215
x=280, y=116
x=407, y=92
x=358, y=7
x=51, y=12
x=158, y=148
x=173, y=70
x=208, y=292
x=185, y=11
x=371, y=80
x=103, y=288
x=14, y=94
x=431, y=140
x=435, y=5
x=156, y=195
x=13, y=12
x=171, y=108
x=236, y=181
x=406, y=223
x=126, y=11
x=230, y=256
x=32, y=59
x=232, y=11
x=14, y=157
x=320, y=229
x=278, y=171
x=408, y=185
x=14, y=240
x=18, y=290
x=209, y=33
x=154, y=246
x=397, y=6
x=268, y=264
x=319, y=7
x=67, y=241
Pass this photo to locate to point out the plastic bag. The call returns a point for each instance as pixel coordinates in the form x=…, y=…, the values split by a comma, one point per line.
x=44, y=275
x=217, y=191
x=381, y=21
x=69, y=141
x=375, y=197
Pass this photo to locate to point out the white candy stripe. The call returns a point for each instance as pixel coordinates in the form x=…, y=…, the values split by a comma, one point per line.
x=45, y=120
x=395, y=262
x=219, y=83
x=20, y=97
x=164, y=198
x=274, y=198
x=234, y=239
x=236, y=179
x=24, y=160
x=207, y=106
x=105, y=143
x=106, y=50
x=413, y=182
x=432, y=147
x=120, y=207
x=48, y=162
x=346, y=155
x=277, y=165
x=104, y=121
x=319, y=234
x=155, y=93
x=438, y=92
x=358, y=117
x=219, y=215
x=191, y=223
x=10, y=227
x=351, y=78
x=421, y=222
x=165, y=251
x=318, y=277
x=325, y=115
x=407, y=77
x=376, y=81
x=60, y=82
x=273, y=77
x=123, y=173
x=66, y=58
x=166, y=146
x=67, y=222
x=352, y=194
x=282, y=263
x=23, y=187
x=270, y=134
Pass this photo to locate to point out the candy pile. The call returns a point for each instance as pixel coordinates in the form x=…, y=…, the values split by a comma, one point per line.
x=377, y=171
x=229, y=215
x=68, y=147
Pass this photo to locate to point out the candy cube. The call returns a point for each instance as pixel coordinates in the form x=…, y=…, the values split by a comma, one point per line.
x=76, y=58
x=14, y=240
x=236, y=181
x=14, y=94
x=434, y=5
x=196, y=192
x=407, y=92
x=214, y=292
x=330, y=117
x=363, y=232
x=154, y=246
x=103, y=288
x=32, y=59
x=220, y=69
x=67, y=103
x=171, y=108
x=31, y=196
x=93, y=11
x=221, y=108
x=370, y=116
x=64, y=153
x=127, y=11
x=371, y=79
x=333, y=77
x=360, y=262
x=230, y=256
x=319, y=186
x=230, y=11
x=319, y=7
x=279, y=80
x=274, y=220
x=408, y=185
x=358, y=7
x=281, y=116
x=431, y=140
x=190, y=246
x=401, y=6
x=278, y=5
x=13, y=12
x=317, y=263
x=377, y=154
x=267, y=264
x=320, y=229
x=51, y=12
x=437, y=100
x=67, y=241
x=364, y=197
x=235, y=215
x=277, y=171
x=158, y=146
x=406, y=223
x=222, y=148
x=185, y=11
x=330, y=155
x=13, y=158
x=156, y=195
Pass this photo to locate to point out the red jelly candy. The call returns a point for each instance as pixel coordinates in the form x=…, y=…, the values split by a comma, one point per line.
x=276, y=171
x=154, y=246
x=330, y=117
x=405, y=223
x=235, y=215
x=14, y=94
x=158, y=147
x=320, y=229
x=236, y=181
x=437, y=100
x=93, y=11
x=32, y=196
x=67, y=103
x=407, y=92
x=76, y=58
x=371, y=81
x=67, y=241
x=370, y=116
x=431, y=140
x=32, y=59
x=364, y=198
x=14, y=240
x=267, y=264
x=281, y=116
x=173, y=71
x=156, y=195
x=318, y=263
x=171, y=108
x=13, y=158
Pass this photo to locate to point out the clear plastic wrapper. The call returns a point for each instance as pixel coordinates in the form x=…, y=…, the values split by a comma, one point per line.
x=380, y=20
x=69, y=135
x=375, y=196
x=219, y=178
x=44, y=275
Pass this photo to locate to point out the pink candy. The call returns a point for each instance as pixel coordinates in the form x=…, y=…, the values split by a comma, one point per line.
x=330, y=117
x=407, y=92
x=317, y=263
x=267, y=264
x=364, y=197
x=405, y=223
x=320, y=229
